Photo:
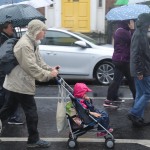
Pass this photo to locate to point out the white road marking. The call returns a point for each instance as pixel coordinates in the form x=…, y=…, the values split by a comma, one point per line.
x=103, y=98
x=127, y=141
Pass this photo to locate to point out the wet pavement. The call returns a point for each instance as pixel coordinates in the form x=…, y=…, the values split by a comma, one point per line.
x=127, y=137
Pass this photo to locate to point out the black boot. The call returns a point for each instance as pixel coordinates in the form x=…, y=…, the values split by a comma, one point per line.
x=136, y=121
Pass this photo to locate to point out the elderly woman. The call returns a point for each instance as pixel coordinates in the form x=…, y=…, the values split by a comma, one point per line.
x=20, y=83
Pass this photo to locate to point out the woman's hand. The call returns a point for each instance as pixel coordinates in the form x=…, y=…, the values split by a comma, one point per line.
x=54, y=73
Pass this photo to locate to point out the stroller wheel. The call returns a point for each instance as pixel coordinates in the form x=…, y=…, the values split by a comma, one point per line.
x=70, y=136
x=72, y=143
x=109, y=143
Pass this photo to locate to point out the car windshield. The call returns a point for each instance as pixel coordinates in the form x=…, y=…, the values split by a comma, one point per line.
x=86, y=37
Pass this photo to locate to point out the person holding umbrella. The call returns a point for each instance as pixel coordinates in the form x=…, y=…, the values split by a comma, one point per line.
x=7, y=33
x=20, y=82
x=121, y=59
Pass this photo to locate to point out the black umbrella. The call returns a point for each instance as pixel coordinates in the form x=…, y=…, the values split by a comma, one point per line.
x=19, y=14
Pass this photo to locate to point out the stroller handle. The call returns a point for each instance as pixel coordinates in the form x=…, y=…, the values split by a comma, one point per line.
x=58, y=76
x=58, y=79
x=61, y=82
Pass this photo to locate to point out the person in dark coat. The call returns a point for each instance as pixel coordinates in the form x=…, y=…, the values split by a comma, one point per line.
x=7, y=32
x=121, y=57
x=140, y=68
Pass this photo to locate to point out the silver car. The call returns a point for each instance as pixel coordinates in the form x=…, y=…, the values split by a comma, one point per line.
x=79, y=56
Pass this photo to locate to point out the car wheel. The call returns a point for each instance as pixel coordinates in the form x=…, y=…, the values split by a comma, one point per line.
x=104, y=73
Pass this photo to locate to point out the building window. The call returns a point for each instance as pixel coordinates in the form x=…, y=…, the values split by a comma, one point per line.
x=52, y=5
x=100, y=3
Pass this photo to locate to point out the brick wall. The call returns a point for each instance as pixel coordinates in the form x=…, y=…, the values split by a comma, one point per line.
x=41, y=10
x=109, y=4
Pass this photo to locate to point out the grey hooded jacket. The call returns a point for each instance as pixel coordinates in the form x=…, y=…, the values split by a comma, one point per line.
x=140, y=48
x=31, y=66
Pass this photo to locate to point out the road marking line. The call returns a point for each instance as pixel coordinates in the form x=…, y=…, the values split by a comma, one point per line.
x=127, y=141
x=103, y=98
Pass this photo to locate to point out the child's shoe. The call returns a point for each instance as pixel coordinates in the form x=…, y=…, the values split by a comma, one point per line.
x=104, y=133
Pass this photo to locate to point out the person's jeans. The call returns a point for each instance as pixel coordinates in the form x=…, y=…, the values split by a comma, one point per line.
x=29, y=106
x=121, y=69
x=103, y=120
x=142, y=96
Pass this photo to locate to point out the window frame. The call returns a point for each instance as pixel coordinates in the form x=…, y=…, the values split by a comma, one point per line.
x=100, y=3
x=53, y=38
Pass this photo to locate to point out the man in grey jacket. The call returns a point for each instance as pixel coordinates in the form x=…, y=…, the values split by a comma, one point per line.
x=7, y=33
x=20, y=83
x=140, y=68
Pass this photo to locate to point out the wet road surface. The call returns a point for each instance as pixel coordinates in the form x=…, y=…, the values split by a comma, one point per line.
x=127, y=137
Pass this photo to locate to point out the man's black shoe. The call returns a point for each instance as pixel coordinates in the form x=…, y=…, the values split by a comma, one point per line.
x=136, y=121
x=131, y=117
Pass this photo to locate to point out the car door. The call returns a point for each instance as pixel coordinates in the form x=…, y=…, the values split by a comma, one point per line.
x=58, y=49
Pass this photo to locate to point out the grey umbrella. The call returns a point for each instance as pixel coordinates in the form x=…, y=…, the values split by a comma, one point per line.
x=19, y=14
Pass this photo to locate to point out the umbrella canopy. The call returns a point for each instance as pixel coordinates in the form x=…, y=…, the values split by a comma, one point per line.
x=121, y=2
x=33, y=3
x=20, y=14
x=127, y=12
x=3, y=2
x=125, y=2
x=136, y=1
x=40, y=3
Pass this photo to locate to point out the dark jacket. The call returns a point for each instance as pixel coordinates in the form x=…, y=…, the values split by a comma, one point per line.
x=122, y=40
x=7, y=59
x=140, y=48
x=3, y=38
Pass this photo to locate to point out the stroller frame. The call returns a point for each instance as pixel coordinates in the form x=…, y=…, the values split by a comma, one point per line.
x=75, y=133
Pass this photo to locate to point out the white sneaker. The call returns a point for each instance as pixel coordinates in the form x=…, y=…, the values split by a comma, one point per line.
x=119, y=100
x=0, y=126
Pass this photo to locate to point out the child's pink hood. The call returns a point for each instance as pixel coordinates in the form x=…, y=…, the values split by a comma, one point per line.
x=80, y=89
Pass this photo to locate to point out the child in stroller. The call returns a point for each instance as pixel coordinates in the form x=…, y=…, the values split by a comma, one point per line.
x=82, y=116
x=80, y=92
